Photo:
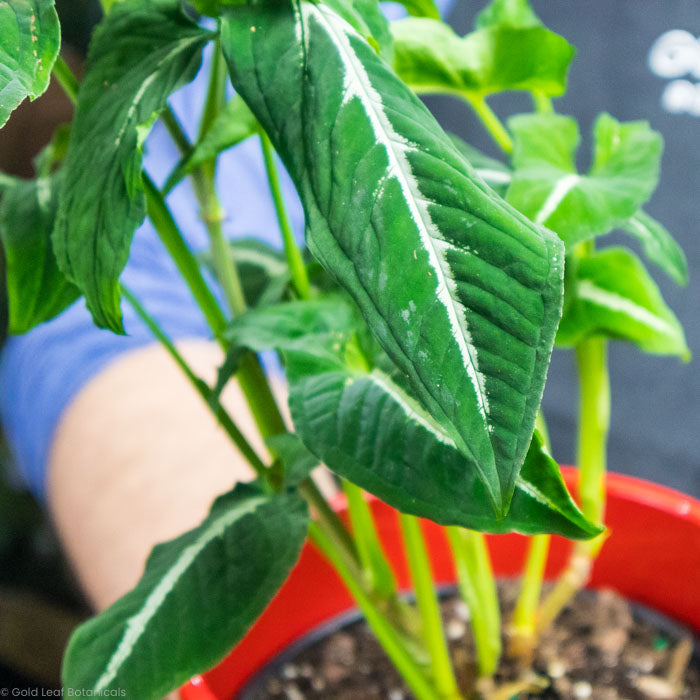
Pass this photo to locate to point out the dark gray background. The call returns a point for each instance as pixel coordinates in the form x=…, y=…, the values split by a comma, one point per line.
x=656, y=400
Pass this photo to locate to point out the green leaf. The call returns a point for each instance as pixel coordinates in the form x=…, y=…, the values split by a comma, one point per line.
x=37, y=290
x=512, y=13
x=234, y=124
x=431, y=58
x=263, y=270
x=421, y=8
x=614, y=296
x=658, y=245
x=297, y=460
x=462, y=292
x=367, y=429
x=547, y=188
x=222, y=574
x=318, y=327
x=139, y=54
x=30, y=37
x=494, y=173
x=54, y=153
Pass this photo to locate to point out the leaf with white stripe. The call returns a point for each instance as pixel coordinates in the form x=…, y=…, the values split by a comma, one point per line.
x=222, y=574
x=141, y=52
x=658, y=245
x=614, y=296
x=369, y=430
x=547, y=188
x=30, y=37
x=431, y=58
x=462, y=292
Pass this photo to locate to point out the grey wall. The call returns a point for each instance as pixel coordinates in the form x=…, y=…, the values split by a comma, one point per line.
x=656, y=400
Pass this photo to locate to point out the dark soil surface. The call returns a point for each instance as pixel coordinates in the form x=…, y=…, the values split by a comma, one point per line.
x=598, y=649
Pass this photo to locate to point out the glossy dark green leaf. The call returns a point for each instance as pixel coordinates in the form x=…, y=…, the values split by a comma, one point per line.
x=614, y=296
x=431, y=58
x=298, y=461
x=222, y=574
x=30, y=37
x=658, y=245
x=548, y=189
x=37, y=290
x=367, y=429
x=513, y=13
x=364, y=425
x=234, y=124
x=494, y=173
x=462, y=292
x=140, y=53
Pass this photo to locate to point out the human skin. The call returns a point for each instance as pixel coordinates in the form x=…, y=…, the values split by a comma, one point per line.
x=137, y=459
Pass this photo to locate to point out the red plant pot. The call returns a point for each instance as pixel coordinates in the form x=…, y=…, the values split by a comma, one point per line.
x=652, y=557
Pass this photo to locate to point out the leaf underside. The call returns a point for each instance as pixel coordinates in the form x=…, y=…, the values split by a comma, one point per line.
x=462, y=292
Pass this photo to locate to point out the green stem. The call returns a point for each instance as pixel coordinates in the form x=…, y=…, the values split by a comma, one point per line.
x=200, y=386
x=185, y=261
x=176, y=132
x=594, y=422
x=66, y=79
x=391, y=641
x=492, y=123
x=426, y=598
x=542, y=103
x=295, y=260
x=477, y=586
x=371, y=554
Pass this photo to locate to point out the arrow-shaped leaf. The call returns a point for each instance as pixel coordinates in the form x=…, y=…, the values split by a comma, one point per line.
x=30, y=37
x=462, y=292
x=223, y=574
x=613, y=295
x=431, y=58
x=547, y=187
x=140, y=53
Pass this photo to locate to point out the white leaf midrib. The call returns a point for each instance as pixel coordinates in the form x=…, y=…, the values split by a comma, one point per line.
x=135, y=626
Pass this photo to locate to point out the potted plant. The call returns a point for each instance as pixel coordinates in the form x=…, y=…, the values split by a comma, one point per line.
x=415, y=333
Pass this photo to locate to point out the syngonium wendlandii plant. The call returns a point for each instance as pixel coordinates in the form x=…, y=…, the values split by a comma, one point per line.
x=416, y=352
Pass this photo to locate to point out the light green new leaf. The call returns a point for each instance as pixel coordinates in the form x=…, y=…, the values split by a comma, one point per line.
x=223, y=574
x=547, y=188
x=431, y=58
x=421, y=8
x=462, y=292
x=513, y=13
x=234, y=124
x=658, y=245
x=36, y=289
x=367, y=429
x=140, y=53
x=614, y=296
x=30, y=37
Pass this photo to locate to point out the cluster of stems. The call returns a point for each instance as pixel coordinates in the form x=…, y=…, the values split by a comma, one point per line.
x=413, y=637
